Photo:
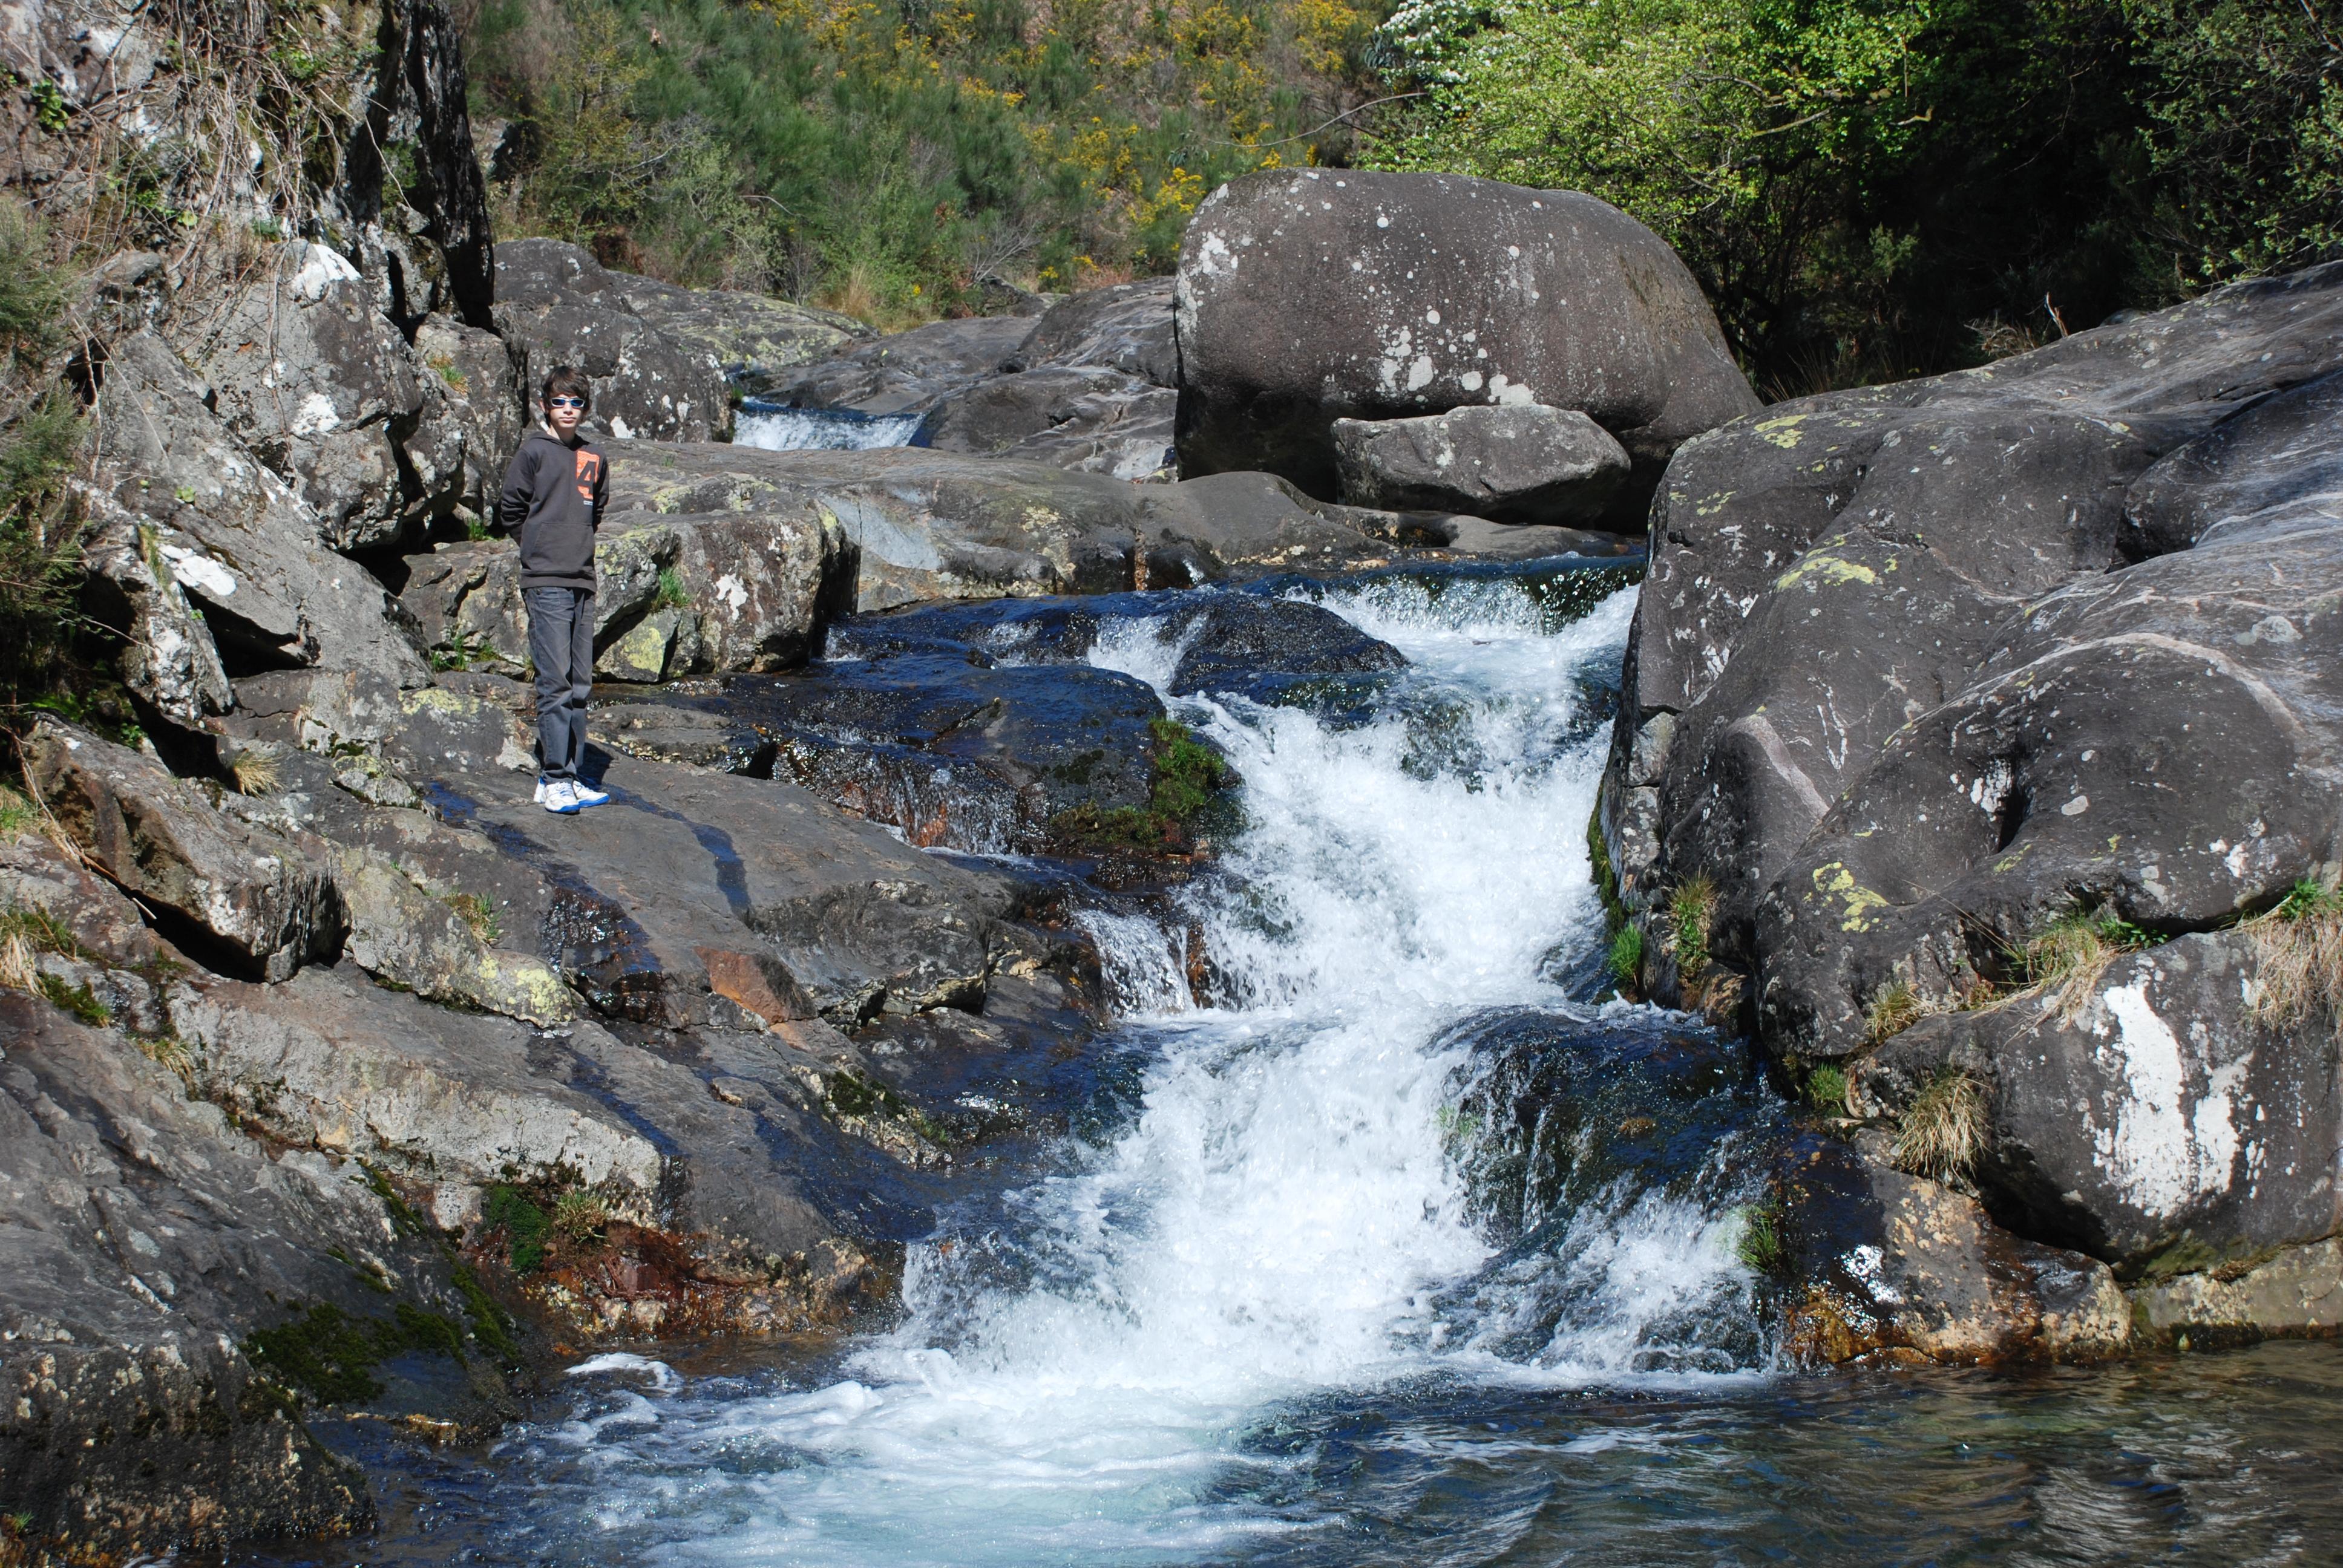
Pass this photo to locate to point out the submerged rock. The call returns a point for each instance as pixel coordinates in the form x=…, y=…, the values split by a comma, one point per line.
x=1313, y=295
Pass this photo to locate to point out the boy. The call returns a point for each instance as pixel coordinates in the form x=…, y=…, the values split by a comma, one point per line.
x=553, y=496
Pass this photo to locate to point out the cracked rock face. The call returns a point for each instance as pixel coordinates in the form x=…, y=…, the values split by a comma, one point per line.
x=1919, y=669
x=1313, y=295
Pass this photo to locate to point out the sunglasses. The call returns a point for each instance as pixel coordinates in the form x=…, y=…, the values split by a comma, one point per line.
x=565, y=402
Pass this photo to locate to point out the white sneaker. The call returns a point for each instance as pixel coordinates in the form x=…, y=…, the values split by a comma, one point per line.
x=559, y=797
x=541, y=782
x=589, y=796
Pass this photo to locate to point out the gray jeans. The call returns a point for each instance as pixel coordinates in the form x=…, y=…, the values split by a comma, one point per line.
x=561, y=646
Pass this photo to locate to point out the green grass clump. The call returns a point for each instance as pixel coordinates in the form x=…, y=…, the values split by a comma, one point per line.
x=1625, y=961
x=1759, y=1243
x=1692, y=908
x=2068, y=957
x=524, y=1224
x=478, y=913
x=1826, y=1089
x=670, y=590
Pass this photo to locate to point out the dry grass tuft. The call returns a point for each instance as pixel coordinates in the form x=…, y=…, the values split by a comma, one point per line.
x=1895, y=1008
x=254, y=772
x=2069, y=957
x=581, y=1216
x=1942, y=1132
x=2299, y=945
x=20, y=963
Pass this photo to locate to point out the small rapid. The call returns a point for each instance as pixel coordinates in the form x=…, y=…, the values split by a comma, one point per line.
x=1290, y=1216
x=781, y=429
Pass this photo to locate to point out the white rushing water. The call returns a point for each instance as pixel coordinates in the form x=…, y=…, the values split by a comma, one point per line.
x=1282, y=1220
x=822, y=429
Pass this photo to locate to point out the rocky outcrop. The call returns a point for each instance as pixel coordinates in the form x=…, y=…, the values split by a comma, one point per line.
x=905, y=372
x=1126, y=326
x=145, y=1410
x=1320, y=294
x=562, y=308
x=1951, y=704
x=235, y=538
x=322, y=387
x=1084, y=418
x=268, y=906
x=1520, y=463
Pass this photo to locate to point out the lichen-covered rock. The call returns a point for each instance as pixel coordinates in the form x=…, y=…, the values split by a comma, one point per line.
x=906, y=371
x=142, y=1240
x=405, y=937
x=168, y=658
x=2152, y=1121
x=327, y=1063
x=257, y=901
x=2296, y=1292
x=1880, y=1263
x=559, y=303
x=236, y=539
x=480, y=374
x=1517, y=463
x=324, y=389
x=1920, y=671
x=753, y=339
x=1312, y=296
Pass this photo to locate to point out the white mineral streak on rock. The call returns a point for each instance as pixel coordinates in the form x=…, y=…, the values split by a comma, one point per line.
x=199, y=571
x=2158, y=1153
x=321, y=267
x=316, y=415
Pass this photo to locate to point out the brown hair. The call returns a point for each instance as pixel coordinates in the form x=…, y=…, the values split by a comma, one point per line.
x=567, y=381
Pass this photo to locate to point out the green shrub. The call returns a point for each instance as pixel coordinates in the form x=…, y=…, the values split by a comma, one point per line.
x=886, y=160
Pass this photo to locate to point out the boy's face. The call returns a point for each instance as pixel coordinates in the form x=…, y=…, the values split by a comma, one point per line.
x=562, y=412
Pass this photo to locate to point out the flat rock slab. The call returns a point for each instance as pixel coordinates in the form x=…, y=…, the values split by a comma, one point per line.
x=843, y=919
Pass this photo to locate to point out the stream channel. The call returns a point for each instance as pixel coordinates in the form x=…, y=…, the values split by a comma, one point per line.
x=1408, y=1252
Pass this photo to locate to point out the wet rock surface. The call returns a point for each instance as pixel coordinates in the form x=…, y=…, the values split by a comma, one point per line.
x=1454, y=292
x=1930, y=679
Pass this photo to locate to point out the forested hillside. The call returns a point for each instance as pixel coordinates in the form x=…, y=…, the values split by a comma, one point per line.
x=1868, y=188
x=888, y=155
x=1872, y=189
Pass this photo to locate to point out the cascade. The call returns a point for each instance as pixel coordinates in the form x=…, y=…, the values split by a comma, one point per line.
x=1296, y=1209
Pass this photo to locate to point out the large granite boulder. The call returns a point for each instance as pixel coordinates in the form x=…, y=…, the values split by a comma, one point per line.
x=237, y=539
x=1922, y=671
x=564, y=308
x=2153, y=1121
x=1313, y=295
x=1518, y=463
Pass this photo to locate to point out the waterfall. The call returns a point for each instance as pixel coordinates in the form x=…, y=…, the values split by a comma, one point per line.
x=1095, y=1372
x=778, y=429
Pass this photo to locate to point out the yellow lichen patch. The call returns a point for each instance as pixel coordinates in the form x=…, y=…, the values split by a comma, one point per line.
x=1710, y=504
x=524, y=988
x=1828, y=569
x=438, y=698
x=1834, y=881
x=1783, y=432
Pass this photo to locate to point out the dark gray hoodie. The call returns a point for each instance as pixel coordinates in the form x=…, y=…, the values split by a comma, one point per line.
x=553, y=496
